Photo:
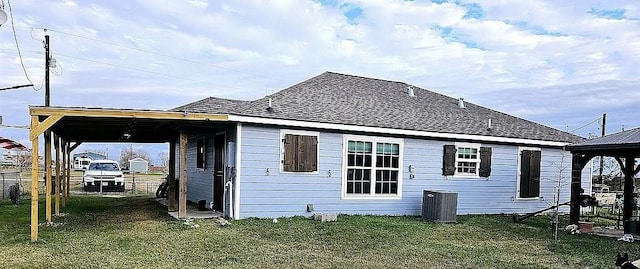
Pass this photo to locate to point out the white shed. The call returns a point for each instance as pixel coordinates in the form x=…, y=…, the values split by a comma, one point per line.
x=138, y=165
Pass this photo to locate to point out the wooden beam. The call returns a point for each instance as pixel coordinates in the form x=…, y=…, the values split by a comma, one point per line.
x=125, y=113
x=47, y=172
x=182, y=201
x=34, y=183
x=171, y=178
x=58, y=178
x=44, y=125
x=75, y=145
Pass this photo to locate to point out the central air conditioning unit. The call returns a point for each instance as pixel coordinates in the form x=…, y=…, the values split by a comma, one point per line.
x=439, y=206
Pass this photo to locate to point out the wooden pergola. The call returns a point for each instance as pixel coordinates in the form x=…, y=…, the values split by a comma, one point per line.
x=71, y=126
x=625, y=148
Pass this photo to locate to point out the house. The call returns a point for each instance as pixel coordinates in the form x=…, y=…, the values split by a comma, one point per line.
x=347, y=144
x=81, y=160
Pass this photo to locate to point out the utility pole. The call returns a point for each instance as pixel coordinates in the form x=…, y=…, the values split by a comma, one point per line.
x=603, y=128
x=47, y=134
x=47, y=62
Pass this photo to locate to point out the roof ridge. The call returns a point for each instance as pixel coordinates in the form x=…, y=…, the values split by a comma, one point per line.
x=360, y=76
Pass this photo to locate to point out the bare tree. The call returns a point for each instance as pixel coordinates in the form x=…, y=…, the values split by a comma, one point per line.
x=22, y=159
x=611, y=173
x=128, y=153
x=163, y=159
x=563, y=179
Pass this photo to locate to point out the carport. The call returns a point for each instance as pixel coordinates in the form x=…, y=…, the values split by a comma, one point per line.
x=68, y=127
x=625, y=148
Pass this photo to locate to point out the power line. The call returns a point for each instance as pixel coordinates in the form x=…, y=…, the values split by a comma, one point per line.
x=15, y=38
x=163, y=55
x=16, y=87
x=591, y=122
x=147, y=71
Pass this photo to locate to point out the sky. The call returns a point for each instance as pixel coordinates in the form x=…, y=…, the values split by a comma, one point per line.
x=558, y=63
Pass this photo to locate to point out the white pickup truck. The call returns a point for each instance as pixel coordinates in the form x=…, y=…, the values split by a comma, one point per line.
x=103, y=175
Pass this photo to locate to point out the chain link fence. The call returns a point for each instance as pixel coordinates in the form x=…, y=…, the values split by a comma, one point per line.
x=8, y=179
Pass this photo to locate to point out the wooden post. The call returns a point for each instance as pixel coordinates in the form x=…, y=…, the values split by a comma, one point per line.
x=58, y=180
x=68, y=172
x=34, y=182
x=576, y=182
x=63, y=176
x=628, y=204
x=172, y=176
x=47, y=171
x=182, y=201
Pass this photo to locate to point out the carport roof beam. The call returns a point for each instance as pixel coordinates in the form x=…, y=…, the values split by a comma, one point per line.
x=124, y=113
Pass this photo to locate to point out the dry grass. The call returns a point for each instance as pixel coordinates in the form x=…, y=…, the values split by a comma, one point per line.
x=135, y=232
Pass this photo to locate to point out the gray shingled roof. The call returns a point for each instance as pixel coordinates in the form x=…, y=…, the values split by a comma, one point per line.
x=626, y=139
x=353, y=100
x=213, y=105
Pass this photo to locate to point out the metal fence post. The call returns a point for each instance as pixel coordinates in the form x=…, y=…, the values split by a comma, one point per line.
x=2, y=173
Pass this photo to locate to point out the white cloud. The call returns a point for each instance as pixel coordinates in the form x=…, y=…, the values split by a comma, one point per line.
x=517, y=52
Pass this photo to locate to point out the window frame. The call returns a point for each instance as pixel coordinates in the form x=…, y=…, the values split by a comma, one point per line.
x=283, y=133
x=477, y=147
x=374, y=140
x=519, y=174
x=201, y=165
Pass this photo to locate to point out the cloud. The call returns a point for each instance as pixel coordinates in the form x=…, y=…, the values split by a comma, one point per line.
x=550, y=61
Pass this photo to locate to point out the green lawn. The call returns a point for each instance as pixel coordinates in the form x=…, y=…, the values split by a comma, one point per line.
x=134, y=232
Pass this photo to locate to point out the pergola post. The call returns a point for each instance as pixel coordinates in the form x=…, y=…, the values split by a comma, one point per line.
x=64, y=172
x=182, y=201
x=578, y=162
x=58, y=178
x=628, y=193
x=34, y=182
x=576, y=185
x=67, y=169
x=171, y=180
x=47, y=171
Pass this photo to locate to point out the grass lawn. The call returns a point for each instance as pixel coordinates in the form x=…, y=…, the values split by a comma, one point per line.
x=134, y=231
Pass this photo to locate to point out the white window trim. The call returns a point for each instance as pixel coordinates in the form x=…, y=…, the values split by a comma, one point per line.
x=284, y=132
x=467, y=176
x=520, y=149
x=372, y=195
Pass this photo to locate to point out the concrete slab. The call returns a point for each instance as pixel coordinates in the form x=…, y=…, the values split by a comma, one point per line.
x=192, y=211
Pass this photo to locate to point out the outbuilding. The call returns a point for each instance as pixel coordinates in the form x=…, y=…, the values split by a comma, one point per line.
x=138, y=165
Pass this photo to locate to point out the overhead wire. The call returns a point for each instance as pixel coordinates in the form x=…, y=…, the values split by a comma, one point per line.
x=583, y=126
x=147, y=71
x=163, y=55
x=15, y=38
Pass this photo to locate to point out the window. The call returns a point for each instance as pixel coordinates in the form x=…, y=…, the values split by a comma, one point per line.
x=299, y=151
x=466, y=160
x=529, y=180
x=200, y=153
x=373, y=167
